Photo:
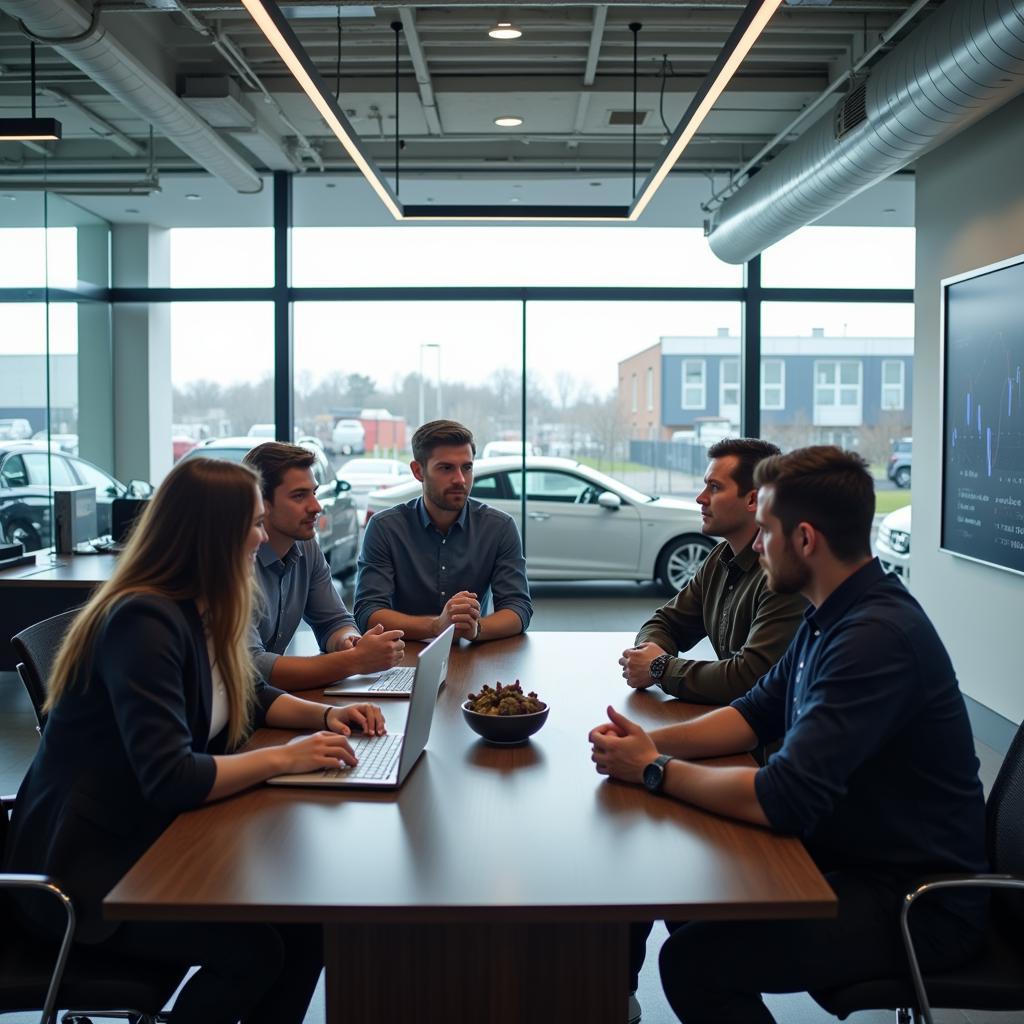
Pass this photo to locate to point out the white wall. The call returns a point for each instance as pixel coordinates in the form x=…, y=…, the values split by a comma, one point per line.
x=970, y=212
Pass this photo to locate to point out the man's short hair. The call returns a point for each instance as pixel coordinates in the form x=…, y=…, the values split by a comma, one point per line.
x=749, y=451
x=273, y=459
x=827, y=487
x=437, y=433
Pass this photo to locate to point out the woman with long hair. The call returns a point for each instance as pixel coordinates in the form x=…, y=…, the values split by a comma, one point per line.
x=152, y=692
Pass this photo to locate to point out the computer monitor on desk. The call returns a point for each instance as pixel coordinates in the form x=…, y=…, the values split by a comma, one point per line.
x=123, y=514
x=74, y=513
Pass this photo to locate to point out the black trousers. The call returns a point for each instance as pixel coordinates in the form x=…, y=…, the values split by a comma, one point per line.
x=715, y=972
x=253, y=973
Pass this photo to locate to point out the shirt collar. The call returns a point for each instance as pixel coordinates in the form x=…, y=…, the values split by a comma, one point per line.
x=745, y=560
x=267, y=556
x=424, y=516
x=839, y=602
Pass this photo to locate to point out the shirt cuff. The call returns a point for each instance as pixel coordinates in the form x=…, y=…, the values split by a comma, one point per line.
x=264, y=662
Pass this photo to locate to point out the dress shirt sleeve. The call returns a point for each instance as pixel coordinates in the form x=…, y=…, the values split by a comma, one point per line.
x=764, y=706
x=375, y=576
x=859, y=692
x=262, y=659
x=677, y=626
x=142, y=656
x=324, y=611
x=509, y=587
x=776, y=619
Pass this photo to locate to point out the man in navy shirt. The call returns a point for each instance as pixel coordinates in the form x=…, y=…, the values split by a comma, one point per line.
x=435, y=561
x=876, y=772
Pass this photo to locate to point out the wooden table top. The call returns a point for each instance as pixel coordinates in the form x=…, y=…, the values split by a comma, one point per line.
x=69, y=571
x=481, y=833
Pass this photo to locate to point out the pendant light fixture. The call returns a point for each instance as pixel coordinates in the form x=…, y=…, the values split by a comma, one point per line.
x=751, y=23
x=30, y=129
x=505, y=30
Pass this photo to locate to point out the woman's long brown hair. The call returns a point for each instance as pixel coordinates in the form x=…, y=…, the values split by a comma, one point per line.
x=188, y=544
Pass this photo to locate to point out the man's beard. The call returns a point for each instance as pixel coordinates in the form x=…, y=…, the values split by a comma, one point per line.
x=789, y=577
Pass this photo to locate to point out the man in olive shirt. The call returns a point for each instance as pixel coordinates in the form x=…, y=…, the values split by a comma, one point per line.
x=727, y=600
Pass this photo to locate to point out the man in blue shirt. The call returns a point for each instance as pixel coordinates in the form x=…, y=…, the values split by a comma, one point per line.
x=436, y=560
x=876, y=772
x=296, y=584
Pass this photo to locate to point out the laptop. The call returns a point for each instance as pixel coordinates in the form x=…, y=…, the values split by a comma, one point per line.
x=392, y=682
x=385, y=761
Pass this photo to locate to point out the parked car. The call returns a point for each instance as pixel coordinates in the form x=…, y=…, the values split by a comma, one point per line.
x=15, y=429
x=348, y=437
x=493, y=449
x=892, y=544
x=59, y=442
x=337, y=529
x=28, y=472
x=366, y=475
x=898, y=469
x=581, y=524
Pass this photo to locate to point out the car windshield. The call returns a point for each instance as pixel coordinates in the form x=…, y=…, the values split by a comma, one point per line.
x=611, y=484
x=368, y=466
x=231, y=454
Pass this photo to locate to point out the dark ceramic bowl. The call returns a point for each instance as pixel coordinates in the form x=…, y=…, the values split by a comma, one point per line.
x=504, y=730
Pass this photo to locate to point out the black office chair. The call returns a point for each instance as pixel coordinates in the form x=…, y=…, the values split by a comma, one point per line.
x=995, y=979
x=35, y=974
x=36, y=648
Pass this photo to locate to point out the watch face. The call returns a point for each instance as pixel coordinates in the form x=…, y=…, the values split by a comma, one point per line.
x=653, y=774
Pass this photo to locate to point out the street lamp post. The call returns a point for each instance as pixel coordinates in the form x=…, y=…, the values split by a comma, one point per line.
x=433, y=345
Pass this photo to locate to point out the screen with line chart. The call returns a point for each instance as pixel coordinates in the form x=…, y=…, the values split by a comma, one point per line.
x=983, y=415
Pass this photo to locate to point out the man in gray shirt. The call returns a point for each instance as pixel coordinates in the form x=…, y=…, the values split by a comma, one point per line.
x=435, y=561
x=296, y=584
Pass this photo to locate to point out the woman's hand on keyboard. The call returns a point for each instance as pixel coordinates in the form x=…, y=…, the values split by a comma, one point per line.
x=365, y=718
x=321, y=750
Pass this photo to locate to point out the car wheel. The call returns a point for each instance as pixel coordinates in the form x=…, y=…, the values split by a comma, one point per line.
x=902, y=477
x=679, y=560
x=22, y=533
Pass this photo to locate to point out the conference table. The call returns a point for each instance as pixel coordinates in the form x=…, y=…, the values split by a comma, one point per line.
x=498, y=884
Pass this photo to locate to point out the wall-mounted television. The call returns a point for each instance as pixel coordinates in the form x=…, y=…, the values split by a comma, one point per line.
x=983, y=415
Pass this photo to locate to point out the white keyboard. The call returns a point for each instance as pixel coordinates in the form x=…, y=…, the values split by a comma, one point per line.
x=378, y=758
x=394, y=680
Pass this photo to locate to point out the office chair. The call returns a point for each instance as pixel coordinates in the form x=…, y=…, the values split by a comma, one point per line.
x=35, y=974
x=36, y=648
x=995, y=979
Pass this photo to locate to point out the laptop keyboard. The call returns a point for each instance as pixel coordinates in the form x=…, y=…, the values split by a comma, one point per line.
x=378, y=758
x=394, y=680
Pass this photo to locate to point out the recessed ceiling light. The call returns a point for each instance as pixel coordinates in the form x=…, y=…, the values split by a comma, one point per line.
x=193, y=195
x=889, y=209
x=131, y=209
x=330, y=184
x=595, y=184
x=508, y=121
x=505, y=30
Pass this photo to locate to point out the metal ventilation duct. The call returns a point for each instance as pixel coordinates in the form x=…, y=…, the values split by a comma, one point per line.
x=966, y=60
x=84, y=42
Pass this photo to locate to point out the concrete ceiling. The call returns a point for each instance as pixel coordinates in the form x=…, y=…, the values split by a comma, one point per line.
x=568, y=78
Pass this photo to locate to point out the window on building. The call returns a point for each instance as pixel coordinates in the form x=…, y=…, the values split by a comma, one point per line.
x=694, y=384
x=634, y=393
x=729, y=390
x=892, y=384
x=838, y=398
x=773, y=384
x=650, y=389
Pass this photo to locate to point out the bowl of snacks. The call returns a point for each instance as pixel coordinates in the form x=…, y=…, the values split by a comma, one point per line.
x=504, y=714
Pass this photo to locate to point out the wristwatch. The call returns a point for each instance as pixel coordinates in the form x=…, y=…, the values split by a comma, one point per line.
x=654, y=773
x=658, y=666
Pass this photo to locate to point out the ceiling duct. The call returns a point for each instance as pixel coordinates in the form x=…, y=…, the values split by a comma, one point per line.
x=84, y=42
x=966, y=60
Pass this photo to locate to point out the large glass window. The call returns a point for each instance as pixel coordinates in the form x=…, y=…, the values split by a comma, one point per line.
x=694, y=383
x=222, y=257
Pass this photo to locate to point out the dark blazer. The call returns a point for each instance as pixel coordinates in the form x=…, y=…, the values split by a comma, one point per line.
x=124, y=751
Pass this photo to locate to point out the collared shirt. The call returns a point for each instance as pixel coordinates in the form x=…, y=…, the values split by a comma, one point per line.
x=407, y=564
x=877, y=766
x=749, y=626
x=294, y=588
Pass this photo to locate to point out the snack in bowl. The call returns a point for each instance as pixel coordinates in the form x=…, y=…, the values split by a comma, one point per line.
x=504, y=714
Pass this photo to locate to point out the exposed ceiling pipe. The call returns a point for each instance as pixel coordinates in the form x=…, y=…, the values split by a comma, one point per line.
x=966, y=60
x=84, y=42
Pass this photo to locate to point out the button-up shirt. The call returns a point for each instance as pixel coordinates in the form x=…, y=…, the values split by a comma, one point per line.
x=296, y=587
x=407, y=564
x=749, y=626
x=877, y=767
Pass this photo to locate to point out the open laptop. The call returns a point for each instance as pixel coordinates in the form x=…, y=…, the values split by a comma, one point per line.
x=392, y=682
x=385, y=761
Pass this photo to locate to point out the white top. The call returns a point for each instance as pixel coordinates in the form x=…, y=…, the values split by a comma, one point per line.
x=219, y=706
